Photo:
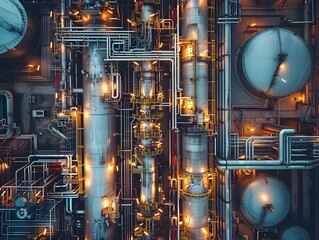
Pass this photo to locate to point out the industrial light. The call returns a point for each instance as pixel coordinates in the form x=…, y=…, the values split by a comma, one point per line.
x=137, y=228
x=156, y=214
x=253, y=24
x=109, y=11
x=136, y=63
x=3, y=193
x=129, y=21
x=283, y=80
x=145, y=233
x=45, y=231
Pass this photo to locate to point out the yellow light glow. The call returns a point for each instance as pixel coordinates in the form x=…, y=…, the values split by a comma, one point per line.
x=88, y=182
x=51, y=44
x=160, y=45
x=129, y=21
x=156, y=214
x=189, y=51
x=154, y=62
x=38, y=68
x=252, y=130
x=45, y=231
x=86, y=18
x=51, y=14
x=282, y=66
x=137, y=228
x=190, y=104
x=76, y=13
x=136, y=63
x=253, y=24
x=145, y=233
x=110, y=11
x=105, y=203
x=265, y=198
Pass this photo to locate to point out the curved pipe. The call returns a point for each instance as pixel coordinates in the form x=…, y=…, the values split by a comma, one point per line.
x=243, y=164
x=9, y=104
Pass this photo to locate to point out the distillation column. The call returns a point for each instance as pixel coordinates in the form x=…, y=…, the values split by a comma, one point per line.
x=148, y=133
x=100, y=150
x=194, y=174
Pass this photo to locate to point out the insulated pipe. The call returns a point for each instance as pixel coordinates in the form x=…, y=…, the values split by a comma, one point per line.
x=9, y=116
x=63, y=59
x=100, y=150
x=223, y=124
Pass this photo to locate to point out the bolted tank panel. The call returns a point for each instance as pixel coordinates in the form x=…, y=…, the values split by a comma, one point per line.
x=275, y=63
x=295, y=233
x=265, y=201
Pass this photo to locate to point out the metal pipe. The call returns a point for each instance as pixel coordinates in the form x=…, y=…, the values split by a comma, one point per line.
x=281, y=155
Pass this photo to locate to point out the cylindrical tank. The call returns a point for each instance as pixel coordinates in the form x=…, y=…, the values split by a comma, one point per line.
x=264, y=201
x=195, y=212
x=274, y=63
x=295, y=233
x=100, y=151
x=195, y=54
x=194, y=152
x=148, y=180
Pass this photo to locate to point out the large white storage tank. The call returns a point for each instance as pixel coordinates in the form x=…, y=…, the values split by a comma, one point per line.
x=264, y=200
x=275, y=63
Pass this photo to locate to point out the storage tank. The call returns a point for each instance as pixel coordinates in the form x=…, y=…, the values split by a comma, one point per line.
x=274, y=63
x=295, y=233
x=264, y=201
x=13, y=24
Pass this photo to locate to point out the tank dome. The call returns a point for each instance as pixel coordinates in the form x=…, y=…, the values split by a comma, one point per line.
x=295, y=233
x=265, y=201
x=275, y=63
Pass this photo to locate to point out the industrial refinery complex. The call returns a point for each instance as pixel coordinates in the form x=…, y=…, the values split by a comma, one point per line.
x=159, y=119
